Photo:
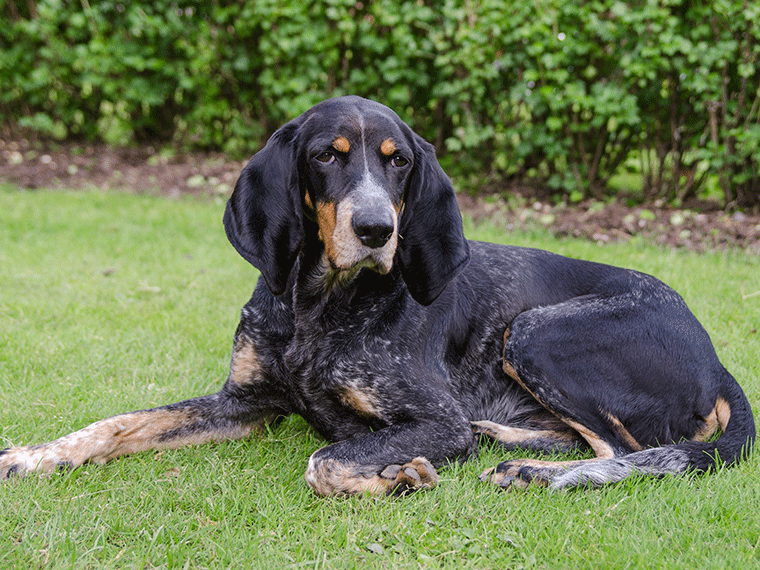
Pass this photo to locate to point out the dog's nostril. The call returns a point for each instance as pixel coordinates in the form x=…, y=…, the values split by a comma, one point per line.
x=372, y=233
x=374, y=236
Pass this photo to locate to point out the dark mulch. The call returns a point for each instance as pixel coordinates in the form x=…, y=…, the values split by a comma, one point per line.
x=145, y=169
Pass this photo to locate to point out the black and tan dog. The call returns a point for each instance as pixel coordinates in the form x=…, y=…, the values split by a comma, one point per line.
x=402, y=342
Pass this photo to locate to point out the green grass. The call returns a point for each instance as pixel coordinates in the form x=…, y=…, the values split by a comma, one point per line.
x=113, y=302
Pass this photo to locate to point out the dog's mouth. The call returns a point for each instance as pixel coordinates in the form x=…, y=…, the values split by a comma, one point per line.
x=333, y=274
x=351, y=261
x=352, y=245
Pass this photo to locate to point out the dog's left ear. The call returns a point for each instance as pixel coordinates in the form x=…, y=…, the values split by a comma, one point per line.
x=264, y=219
x=432, y=246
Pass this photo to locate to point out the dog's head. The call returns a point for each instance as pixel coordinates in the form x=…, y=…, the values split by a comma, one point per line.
x=373, y=187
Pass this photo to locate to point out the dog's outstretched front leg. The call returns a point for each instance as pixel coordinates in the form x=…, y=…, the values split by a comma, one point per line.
x=195, y=421
x=245, y=404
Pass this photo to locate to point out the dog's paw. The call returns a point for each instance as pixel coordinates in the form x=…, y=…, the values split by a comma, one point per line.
x=20, y=461
x=416, y=475
x=329, y=476
x=8, y=467
x=517, y=474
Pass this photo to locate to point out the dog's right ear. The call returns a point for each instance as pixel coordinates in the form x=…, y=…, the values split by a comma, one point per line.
x=263, y=218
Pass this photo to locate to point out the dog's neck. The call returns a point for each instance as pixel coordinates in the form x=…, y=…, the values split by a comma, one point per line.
x=322, y=293
x=325, y=300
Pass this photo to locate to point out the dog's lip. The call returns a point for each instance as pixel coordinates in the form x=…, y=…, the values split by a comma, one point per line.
x=382, y=268
x=375, y=260
x=382, y=258
x=369, y=262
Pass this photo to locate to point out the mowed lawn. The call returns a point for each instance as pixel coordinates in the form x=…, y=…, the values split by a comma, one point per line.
x=111, y=302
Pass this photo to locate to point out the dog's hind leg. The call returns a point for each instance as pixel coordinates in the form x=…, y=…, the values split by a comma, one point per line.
x=547, y=440
x=631, y=373
x=521, y=472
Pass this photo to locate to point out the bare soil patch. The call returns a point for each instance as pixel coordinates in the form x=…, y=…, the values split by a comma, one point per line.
x=145, y=169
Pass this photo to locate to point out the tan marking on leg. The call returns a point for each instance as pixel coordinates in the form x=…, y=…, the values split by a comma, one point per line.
x=602, y=449
x=118, y=435
x=711, y=424
x=723, y=409
x=511, y=372
x=508, y=368
x=514, y=435
x=718, y=418
x=388, y=147
x=245, y=367
x=341, y=144
x=538, y=463
x=624, y=434
x=510, y=477
x=332, y=477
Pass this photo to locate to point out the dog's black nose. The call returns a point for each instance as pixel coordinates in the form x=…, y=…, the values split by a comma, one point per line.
x=373, y=229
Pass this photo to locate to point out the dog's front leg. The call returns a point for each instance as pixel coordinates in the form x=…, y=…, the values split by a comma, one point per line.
x=393, y=461
x=246, y=403
x=195, y=421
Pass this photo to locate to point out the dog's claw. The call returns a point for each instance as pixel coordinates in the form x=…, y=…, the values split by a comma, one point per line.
x=390, y=472
x=486, y=475
x=412, y=475
x=506, y=477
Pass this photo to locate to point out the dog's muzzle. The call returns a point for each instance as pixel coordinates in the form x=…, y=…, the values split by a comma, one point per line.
x=373, y=226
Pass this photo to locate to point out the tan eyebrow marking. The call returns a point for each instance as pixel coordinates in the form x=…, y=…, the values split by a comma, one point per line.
x=341, y=144
x=388, y=147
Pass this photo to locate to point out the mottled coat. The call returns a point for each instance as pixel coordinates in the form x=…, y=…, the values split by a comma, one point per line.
x=403, y=343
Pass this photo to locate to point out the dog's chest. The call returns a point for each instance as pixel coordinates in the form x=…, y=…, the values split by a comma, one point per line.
x=343, y=355
x=346, y=361
x=343, y=385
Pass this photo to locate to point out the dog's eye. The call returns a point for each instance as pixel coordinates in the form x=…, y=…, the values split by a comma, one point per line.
x=399, y=161
x=327, y=157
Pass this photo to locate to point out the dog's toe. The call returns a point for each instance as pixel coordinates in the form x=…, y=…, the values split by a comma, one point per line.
x=418, y=474
x=64, y=466
x=486, y=475
x=8, y=466
x=514, y=475
x=9, y=472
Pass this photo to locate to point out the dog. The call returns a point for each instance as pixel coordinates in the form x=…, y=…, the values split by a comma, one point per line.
x=403, y=343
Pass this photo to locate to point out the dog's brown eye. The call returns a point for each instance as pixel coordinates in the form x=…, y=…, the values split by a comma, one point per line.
x=399, y=161
x=327, y=157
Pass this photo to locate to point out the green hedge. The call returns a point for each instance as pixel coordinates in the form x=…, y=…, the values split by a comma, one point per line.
x=559, y=92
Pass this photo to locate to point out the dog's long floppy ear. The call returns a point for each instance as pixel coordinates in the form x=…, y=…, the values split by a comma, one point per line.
x=432, y=248
x=263, y=218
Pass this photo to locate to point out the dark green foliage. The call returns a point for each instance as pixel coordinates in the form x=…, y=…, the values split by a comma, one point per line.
x=561, y=92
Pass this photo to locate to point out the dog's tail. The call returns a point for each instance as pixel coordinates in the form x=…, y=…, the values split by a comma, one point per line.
x=733, y=445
